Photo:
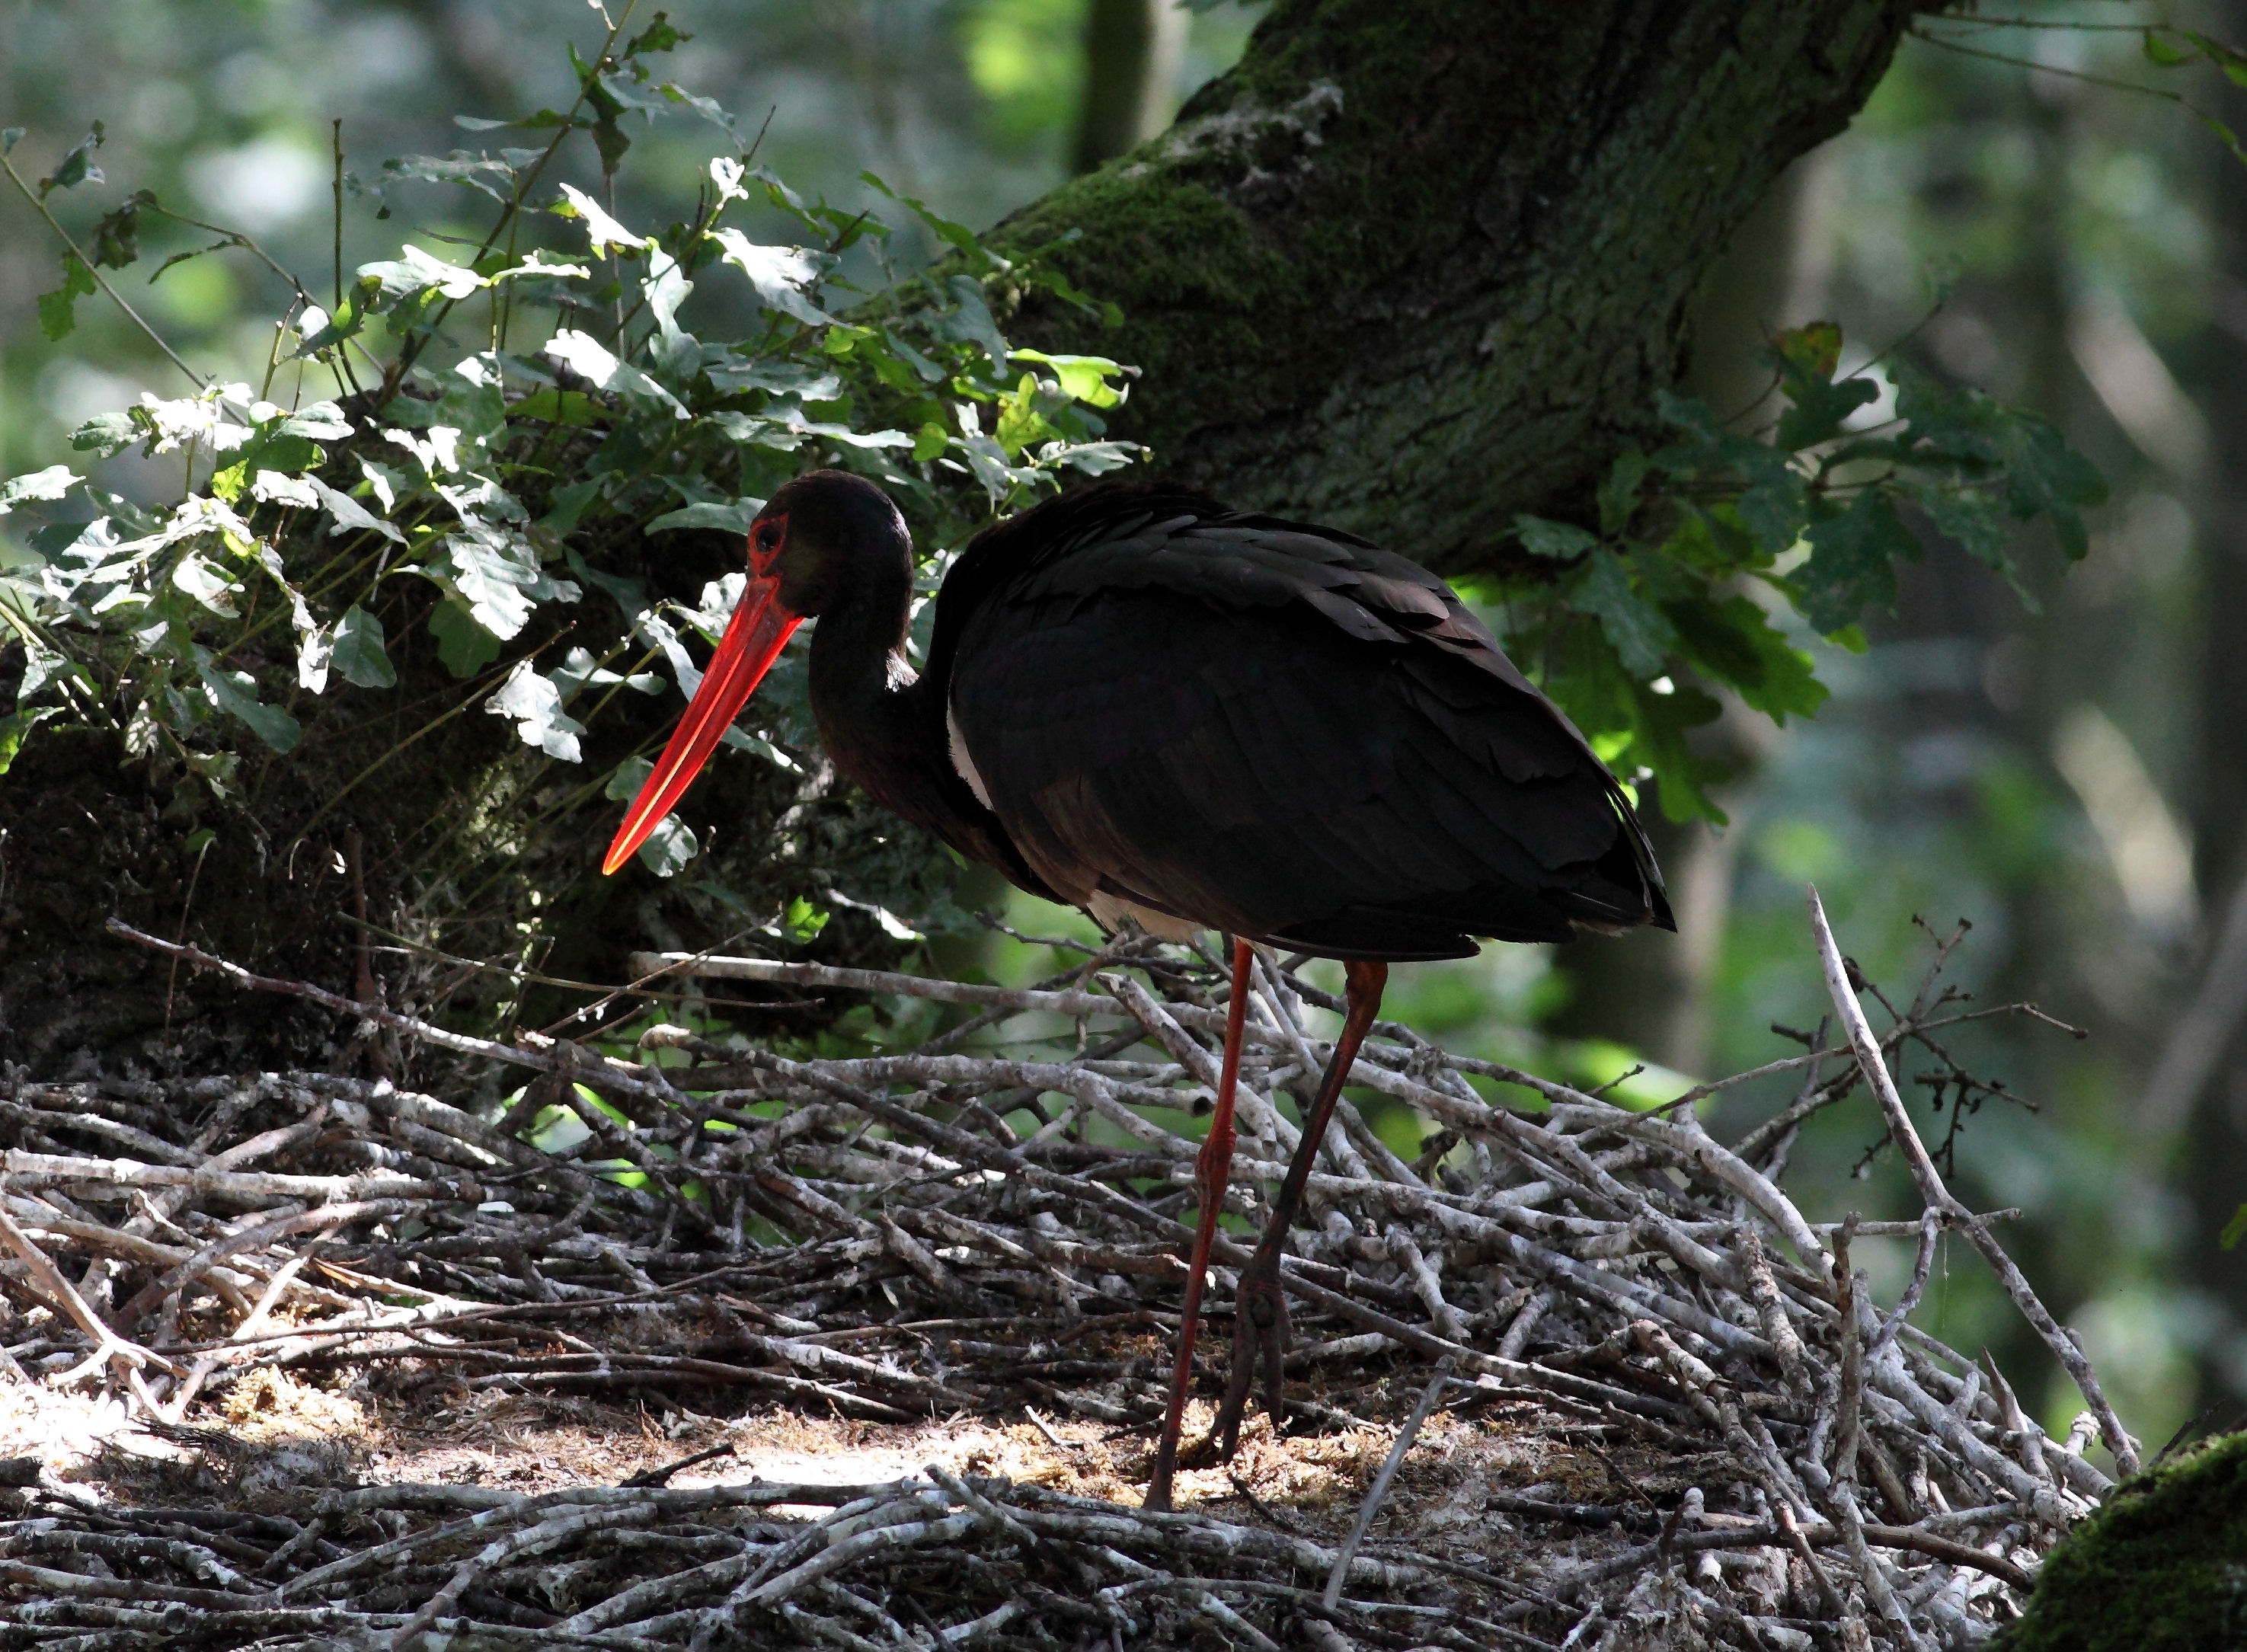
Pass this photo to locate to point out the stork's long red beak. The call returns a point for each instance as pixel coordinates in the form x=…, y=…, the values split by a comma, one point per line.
x=760, y=629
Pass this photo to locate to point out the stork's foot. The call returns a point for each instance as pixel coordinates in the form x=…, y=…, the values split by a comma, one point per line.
x=1260, y=1339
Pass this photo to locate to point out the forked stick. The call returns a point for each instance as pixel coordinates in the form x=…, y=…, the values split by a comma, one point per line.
x=1931, y=1189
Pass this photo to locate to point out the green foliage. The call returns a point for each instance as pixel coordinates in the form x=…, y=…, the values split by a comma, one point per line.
x=515, y=432
x=2175, y=48
x=58, y=308
x=1701, y=543
x=76, y=167
x=1027, y=60
x=2162, y=44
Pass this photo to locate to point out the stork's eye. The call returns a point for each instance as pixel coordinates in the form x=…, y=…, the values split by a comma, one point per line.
x=768, y=536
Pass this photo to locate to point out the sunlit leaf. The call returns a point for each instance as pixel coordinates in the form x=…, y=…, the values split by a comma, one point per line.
x=105, y=433
x=604, y=232
x=349, y=515
x=76, y=167
x=319, y=332
x=316, y=649
x=732, y=517
x=2158, y=50
x=665, y=289
x=1084, y=378
x=360, y=654
x=782, y=275
x=52, y=483
x=322, y=421
x=534, y=705
x=414, y=271
x=590, y=359
x=235, y=694
x=479, y=172
x=207, y=584
x=15, y=729
x=558, y=407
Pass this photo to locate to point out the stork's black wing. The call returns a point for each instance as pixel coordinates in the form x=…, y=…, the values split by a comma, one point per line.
x=1275, y=729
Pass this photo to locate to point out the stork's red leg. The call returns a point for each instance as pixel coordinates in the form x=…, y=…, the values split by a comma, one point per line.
x=1212, y=1168
x=1260, y=1326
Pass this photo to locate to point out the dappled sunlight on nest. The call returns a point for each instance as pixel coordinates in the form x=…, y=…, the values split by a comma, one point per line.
x=62, y=1430
x=1307, y=1472
x=868, y=1320
x=271, y=1402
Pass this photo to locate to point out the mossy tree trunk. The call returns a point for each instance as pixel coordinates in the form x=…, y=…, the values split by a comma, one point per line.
x=1412, y=266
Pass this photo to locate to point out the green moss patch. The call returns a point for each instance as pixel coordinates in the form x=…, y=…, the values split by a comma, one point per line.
x=2161, y=1569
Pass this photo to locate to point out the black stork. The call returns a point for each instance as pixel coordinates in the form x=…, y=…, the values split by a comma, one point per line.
x=1166, y=712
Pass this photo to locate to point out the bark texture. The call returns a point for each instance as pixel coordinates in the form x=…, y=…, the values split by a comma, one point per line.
x=1412, y=268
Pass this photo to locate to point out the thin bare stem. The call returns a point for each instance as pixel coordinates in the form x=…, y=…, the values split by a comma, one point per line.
x=100, y=280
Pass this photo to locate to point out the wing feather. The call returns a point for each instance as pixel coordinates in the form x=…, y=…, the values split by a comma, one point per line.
x=1276, y=730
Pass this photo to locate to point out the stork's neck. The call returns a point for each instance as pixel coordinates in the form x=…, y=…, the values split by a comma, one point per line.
x=874, y=715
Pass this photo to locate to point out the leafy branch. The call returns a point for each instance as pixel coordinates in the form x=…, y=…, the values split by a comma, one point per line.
x=1813, y=514
x=2164, y=45
x=81, y=273
x=507, y=515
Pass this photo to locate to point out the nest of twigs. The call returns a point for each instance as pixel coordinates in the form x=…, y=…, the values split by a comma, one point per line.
x=1794, y=1465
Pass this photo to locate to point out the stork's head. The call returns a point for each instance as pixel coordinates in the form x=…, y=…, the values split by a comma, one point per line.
x=817, y=537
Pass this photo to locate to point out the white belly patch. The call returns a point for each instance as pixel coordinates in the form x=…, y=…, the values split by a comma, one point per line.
x=1110, y=912
x=961, y=763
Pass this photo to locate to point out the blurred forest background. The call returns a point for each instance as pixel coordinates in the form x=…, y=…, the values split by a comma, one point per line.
x=2072, y=776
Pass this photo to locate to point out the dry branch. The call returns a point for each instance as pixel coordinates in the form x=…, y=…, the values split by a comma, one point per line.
x=1939, y=1198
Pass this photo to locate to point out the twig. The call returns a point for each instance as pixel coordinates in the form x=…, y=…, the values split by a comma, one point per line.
x=1933, y=1190
x=94, y=270
x=595, y=1069
x=1379, y=1490
x=870, y=1236
x=109, y=1348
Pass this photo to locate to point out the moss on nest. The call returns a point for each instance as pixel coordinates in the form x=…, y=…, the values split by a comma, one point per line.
x=2161, y=1569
